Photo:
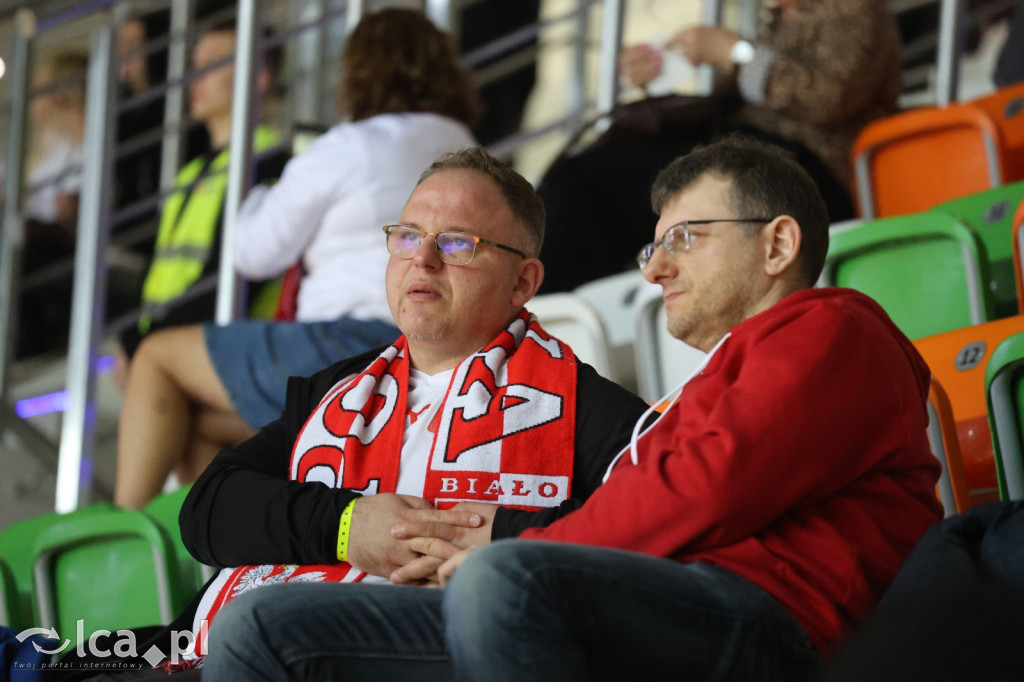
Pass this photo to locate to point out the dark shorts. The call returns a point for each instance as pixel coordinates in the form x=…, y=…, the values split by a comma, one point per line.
x=255, y=358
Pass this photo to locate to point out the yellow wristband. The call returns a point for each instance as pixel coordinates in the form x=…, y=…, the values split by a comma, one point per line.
x=343, y=530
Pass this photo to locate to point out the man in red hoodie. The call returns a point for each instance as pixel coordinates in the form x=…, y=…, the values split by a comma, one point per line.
x=741, y=536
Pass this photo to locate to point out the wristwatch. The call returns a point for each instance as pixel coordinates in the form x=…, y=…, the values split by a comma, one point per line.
x=742, y=52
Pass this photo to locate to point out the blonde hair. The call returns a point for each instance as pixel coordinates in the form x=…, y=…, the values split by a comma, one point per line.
x=67, y=72
x=62, y=81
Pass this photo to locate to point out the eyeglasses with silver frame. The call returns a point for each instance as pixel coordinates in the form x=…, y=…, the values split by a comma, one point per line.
x=453, y=248
x=678, y=237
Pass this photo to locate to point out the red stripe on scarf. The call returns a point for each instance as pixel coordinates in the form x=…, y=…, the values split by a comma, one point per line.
x=505, y=435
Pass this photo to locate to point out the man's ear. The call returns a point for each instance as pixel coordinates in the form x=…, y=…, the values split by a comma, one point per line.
x=782, y=244
x=530, y=275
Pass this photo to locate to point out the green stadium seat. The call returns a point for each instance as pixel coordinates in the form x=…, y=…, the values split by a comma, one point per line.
x=111, y=568
x=8, y=598
x=17, y=543
x=1004, y=390
x=927, y=270
x=164, y=509
x=991, y=214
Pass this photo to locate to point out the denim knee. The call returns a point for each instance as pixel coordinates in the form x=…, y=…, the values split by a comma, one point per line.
x=234, y=623
x=490, y=581
x=243, y=626
x=484, y=570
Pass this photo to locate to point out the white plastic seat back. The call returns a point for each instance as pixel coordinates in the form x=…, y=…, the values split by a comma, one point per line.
x=614, y=298
x=662, y=361
x=570, y=318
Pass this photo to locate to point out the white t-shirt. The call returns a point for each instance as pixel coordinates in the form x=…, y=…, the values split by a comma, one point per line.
x=57, y=171
x=426, y=393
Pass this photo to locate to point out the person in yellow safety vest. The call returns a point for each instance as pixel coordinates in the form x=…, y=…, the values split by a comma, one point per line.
x=188, y=229
x=188, y=241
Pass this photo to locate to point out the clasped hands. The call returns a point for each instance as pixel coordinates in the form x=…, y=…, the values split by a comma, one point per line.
x=641, y=64
x=405, y=539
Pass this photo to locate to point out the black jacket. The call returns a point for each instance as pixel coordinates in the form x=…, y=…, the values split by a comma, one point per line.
x=244, y=510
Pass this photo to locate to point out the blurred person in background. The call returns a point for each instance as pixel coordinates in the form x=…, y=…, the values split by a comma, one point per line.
x=56, y=140
x=53, y=176
x=819, y=72
x=142, y=67
x=1010, y=65
x=513, y=71
x=188, y=239
x=139, y=125
x=196, y=390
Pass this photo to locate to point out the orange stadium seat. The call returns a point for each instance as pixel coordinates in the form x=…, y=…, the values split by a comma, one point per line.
x=1018, y=249
x=958, y=359
x=1006, y=108
x=913, y=160
x=929, y=270
x=942, y=435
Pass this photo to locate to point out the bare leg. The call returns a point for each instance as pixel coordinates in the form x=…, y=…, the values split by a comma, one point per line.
x=172, y=389
x=121, y=367
x=212, y=431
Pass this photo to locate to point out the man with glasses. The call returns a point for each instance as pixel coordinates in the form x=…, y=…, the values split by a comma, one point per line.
x=738, y=537
x=475, y=424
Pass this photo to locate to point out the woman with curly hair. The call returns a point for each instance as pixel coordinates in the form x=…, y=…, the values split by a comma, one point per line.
x=195, y=390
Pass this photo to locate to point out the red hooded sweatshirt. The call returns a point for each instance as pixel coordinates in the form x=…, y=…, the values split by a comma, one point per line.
x=797, y=458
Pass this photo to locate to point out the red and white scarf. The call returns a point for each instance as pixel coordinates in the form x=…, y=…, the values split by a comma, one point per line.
x=505, y=434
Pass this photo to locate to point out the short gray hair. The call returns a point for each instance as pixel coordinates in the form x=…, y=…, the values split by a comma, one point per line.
x=526, y=207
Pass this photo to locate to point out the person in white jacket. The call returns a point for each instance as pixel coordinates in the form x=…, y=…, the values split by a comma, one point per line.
x=195, y=390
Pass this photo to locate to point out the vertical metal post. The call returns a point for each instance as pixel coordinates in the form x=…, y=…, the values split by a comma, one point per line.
x=611, y=42
x=244, y=105
x=951, y=24
x=710, y=15
x=578, y=81
x=13, y=235
x=74, y=471
x=335, y=33
x=308, y=63
x=445, y=15
x=356, y=9
x=749, y=19
x=174, y=98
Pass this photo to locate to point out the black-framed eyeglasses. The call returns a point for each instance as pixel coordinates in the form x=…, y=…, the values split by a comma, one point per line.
x=678, y=237
x=453, y=248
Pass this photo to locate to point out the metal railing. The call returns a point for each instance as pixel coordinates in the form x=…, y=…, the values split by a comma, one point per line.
x=77, y=440
x=952, y=25
x=88, y=303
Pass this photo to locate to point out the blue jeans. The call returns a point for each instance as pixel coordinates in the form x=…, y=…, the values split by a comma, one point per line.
x=519, y=611
x=545, y=611
x=254, y=358
x=321, y=631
